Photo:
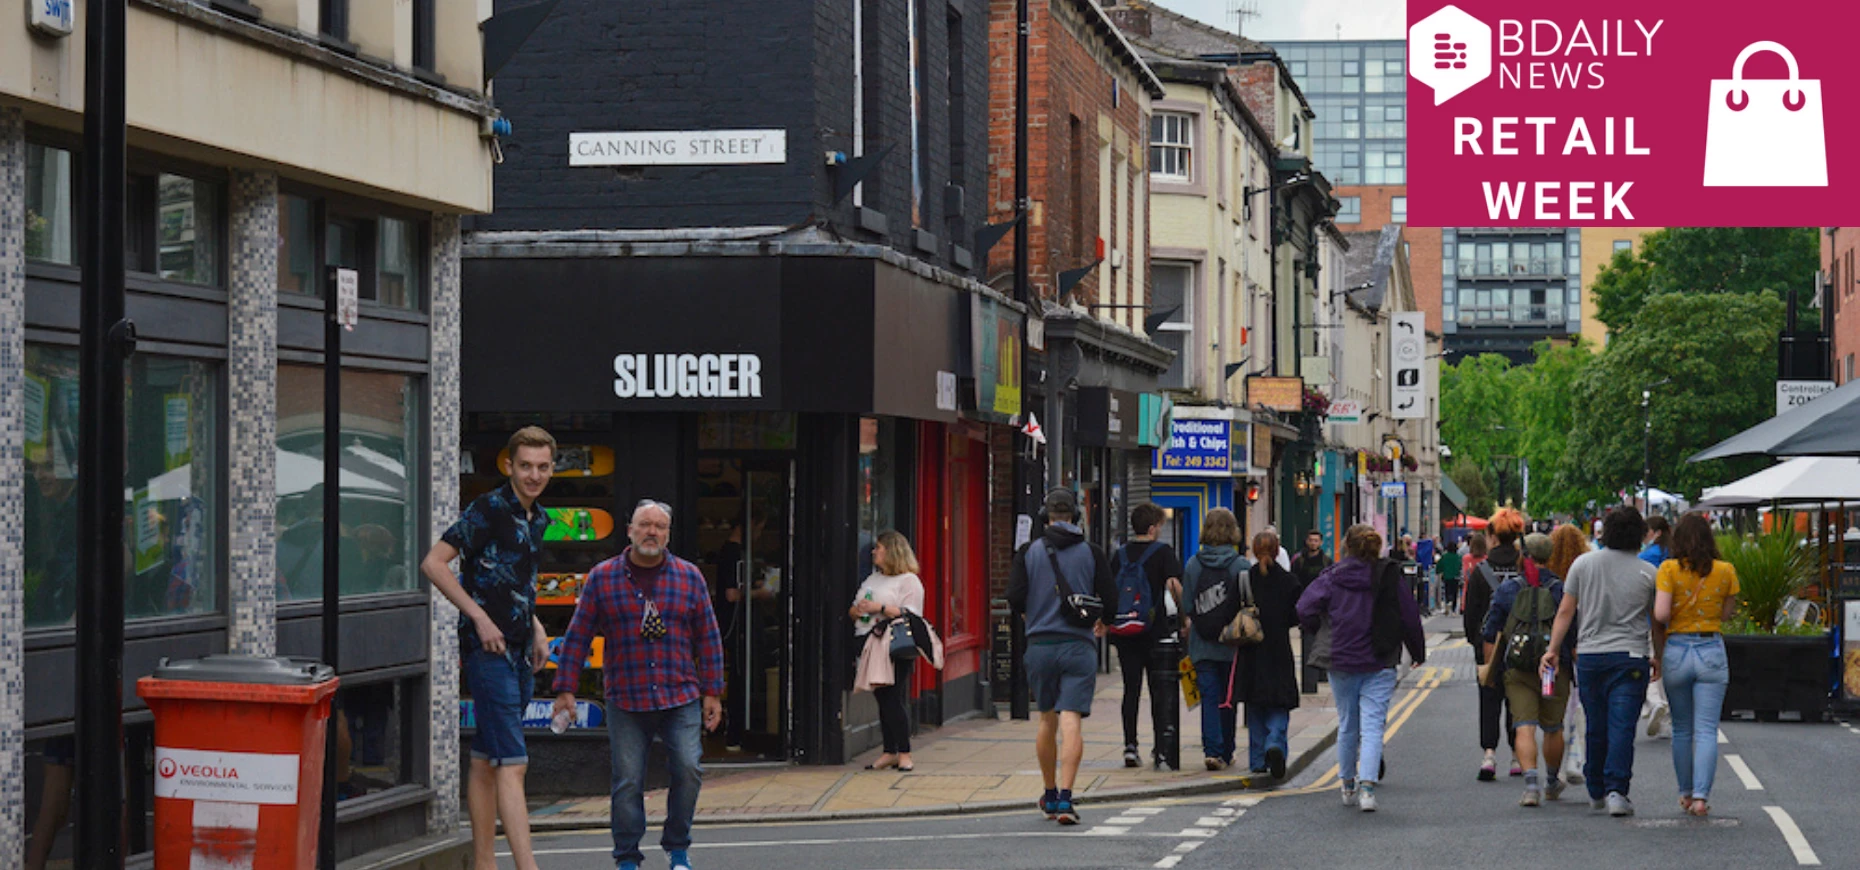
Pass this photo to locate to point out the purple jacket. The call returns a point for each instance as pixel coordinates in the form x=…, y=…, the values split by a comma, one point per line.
x=1344, y=592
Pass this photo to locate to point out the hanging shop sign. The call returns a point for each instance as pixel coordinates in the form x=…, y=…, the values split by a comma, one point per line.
x=1109, y=418
x=994, y=348
x=1346, y=411
x=1279, y=394
x=1407, y=352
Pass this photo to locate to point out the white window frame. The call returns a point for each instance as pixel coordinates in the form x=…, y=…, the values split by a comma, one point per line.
x=1180, y=141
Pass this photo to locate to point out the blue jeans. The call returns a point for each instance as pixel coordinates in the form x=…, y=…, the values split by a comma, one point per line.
x=1613, y=686
x=630, y=736
x=1265, y=729
x=1696, y=674
x=1362, y=714
x=1217, y=723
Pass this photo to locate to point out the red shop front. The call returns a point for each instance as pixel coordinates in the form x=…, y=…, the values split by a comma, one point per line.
x=951, y=537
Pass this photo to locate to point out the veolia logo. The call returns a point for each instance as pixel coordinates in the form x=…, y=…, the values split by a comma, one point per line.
x=166, y=768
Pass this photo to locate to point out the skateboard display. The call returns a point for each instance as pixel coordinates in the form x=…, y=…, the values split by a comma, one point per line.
x=578, y=524
x=574, y=460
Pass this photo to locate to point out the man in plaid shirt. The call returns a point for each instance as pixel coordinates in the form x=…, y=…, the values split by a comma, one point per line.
x=663, y=675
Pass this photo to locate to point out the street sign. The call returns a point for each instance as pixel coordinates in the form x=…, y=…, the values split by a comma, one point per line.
x=1395, y=489
x=1407, y=352
x=1791, y=395
x=348, y=297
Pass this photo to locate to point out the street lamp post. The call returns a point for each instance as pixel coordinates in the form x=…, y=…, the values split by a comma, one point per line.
x=1646, y=444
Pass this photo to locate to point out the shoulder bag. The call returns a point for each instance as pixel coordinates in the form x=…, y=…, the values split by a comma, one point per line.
x=1078, y=609
x=1244, y=629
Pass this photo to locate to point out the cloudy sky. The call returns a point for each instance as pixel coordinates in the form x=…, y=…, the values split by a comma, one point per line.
x=1302, y=19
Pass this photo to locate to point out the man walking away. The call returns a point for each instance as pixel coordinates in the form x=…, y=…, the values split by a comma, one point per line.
x=1424, y=554
x=502, y=645
x=1047, y=579
x=1449, y=571
x=1609, y=596
x=1311, y=561
x=663, y=674
x=1145, y=571
x=1524, y=608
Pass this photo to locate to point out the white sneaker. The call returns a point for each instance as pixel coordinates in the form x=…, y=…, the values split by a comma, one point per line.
x=1350, y=794
x=1659, y=721
x=1366, y=796
x=1619, y=805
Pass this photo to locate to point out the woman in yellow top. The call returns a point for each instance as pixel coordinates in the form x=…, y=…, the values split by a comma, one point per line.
x=1696, y=592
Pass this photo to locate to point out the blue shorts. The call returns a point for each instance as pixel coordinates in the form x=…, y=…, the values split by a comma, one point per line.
x=1063, y=675
x=498, y=696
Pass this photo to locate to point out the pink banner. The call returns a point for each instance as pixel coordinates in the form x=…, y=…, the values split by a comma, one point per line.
x=1632, y=113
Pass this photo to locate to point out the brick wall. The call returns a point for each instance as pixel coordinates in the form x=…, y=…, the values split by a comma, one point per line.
x=1258, y=84
x=596, y=65
x=1839, y=261
x=1082, y=99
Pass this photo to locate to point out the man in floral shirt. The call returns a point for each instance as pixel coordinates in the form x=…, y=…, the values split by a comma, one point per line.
x=663, y=676
x=498, y=541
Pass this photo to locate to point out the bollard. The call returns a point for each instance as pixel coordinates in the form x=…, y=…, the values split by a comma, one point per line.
x=1166, y=701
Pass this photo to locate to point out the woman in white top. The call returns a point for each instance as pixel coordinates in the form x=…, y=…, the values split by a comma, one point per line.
x=892, y=589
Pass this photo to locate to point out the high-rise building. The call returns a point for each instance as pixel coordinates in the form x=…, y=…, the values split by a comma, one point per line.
x=1359, y=90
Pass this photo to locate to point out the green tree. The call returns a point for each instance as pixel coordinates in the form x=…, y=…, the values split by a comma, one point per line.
x=1718, y=350
x=1478, y=408
x=1546, y=410
x=1470, y=477
x=1740, y=260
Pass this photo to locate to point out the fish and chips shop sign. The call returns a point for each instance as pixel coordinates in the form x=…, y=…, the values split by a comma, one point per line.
x=1197, y=448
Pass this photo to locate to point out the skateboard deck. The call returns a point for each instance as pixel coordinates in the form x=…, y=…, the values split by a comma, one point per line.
x=574, y=460
x=578, y=524
x=596, y=653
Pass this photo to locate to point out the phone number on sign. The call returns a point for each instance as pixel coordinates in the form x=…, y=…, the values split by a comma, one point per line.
x=1207, y=462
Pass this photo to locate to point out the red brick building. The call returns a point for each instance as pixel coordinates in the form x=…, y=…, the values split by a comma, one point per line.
x=1838, y=264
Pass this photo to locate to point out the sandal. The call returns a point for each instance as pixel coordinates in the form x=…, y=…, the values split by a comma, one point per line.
x=1699, y=808
x=1685, y=804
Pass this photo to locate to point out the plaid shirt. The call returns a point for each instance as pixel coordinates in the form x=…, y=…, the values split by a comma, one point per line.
x=643, y=675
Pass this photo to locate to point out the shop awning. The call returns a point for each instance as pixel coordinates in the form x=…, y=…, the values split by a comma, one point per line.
x=1807, y=479
x=1453, y=493
x=1827, y=426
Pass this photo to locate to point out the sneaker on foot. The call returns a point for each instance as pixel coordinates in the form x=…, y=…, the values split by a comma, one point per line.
x=1065, y=813
x=1488, y=772
x=1597, y=804
x=1049, y=804
x=1658, y=720
x=1619, y=805
x=1275, y=762
x=1532, y=797
x=1554, y=791
x=680, y=858
x=1131, y=758
x=1516, y=769
x=1213, y=763
x=1350, y=795
x=1366, y=796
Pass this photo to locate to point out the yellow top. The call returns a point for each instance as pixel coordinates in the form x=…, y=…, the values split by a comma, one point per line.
x=1698, y=602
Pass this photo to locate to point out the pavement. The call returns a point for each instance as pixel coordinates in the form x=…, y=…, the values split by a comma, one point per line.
x=1782, y=799
x=971, y=766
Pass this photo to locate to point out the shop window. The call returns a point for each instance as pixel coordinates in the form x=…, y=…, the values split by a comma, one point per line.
x=381, y=422
x=50, y=784
x=175, y=228
x=171, y=487
x=50, y=220
x=878, y=484
x=389, y=253
x=374, y=733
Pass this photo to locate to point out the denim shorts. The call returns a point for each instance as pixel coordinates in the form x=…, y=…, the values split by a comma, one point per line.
x=499, y=695
x=1063, y=675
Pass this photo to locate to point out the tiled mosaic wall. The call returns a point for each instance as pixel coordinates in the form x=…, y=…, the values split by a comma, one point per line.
x=253, y=368
x=12, y=483
x=443, y=389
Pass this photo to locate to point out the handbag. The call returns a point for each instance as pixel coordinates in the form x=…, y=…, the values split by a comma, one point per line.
x=903, y=644
x=1078, y=609
x=1244, y=629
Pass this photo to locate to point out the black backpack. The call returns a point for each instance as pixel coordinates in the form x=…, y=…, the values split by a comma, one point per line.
x=1385, y=622
x=1216, y=601
x=1528, y=625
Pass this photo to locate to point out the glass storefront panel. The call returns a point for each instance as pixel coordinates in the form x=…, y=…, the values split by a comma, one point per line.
x=397, y=270
x=187, y=230
x=380, y=541
x=374, y=737
x=171, y=486
x=50, y=221
x=296, y=247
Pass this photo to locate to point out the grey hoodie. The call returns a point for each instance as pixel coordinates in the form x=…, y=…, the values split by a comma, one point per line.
x=1236, y=565
x=1032, y=592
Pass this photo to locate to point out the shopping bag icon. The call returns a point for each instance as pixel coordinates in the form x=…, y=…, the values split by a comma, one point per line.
x=1765, y=132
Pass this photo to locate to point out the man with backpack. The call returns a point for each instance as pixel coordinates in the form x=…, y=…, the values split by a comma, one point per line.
x=1058, y=587
x=1146, y=570
x=1517, y=633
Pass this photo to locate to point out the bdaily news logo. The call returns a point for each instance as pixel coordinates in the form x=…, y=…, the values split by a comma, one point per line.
x=1630, y=113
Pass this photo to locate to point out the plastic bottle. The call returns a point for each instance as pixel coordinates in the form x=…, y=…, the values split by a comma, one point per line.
x=559, y=724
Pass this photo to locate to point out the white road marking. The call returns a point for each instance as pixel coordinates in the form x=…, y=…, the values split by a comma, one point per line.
x=1197, y=832
x=1168, y=861
x=1241, y=802
x=1144, y=811
x=1743, y=772
x=836, y=841
x=1126, y=820
x=1188, y=847
x=1108, y=830
x=1213, y=822
x=1793, y=836
x=1721, y=737
x=1228, y=811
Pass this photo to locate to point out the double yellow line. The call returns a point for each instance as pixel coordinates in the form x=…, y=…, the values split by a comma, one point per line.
x=1431, y=678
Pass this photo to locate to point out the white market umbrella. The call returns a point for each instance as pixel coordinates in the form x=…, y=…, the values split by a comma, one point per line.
x=1805, y=479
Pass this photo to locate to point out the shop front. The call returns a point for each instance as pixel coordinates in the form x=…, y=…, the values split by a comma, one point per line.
x=1101, y=391
x=789, y=409
x=1203, y=465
